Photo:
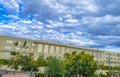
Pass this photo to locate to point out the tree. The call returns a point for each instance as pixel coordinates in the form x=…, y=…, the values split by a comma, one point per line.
x=41, y=61
x=4, y=62
x=28, y=63
x=80, y=63
x=14, y=62
x=70, y=63
x=14, y=56
x=89, y=66
x=55, y=67
x=25, y=46
x=16, y=44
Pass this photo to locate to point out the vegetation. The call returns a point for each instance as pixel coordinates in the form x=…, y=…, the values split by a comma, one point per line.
x=4, y=62
x=14, y=62
x=111, y=67
x=71, y=64
x=41, y=61
x=80, y=64
x=55, y=67
x=14, y=53
x=28, y=63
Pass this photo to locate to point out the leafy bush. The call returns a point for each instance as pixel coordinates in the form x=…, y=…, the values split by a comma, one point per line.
x=4, y=62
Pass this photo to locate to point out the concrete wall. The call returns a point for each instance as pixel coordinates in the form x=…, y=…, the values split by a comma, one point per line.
x=53, y=49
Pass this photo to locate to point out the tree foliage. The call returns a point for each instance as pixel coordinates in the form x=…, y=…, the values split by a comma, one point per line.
x=74, y=63
x=41, y=61
x=28, y=63
x=4, y=62
x=55, y=67
x=25, y=61
x=80, y=63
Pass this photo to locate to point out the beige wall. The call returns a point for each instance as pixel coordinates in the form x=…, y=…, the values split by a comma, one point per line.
x=7, y=44
x=52, y=49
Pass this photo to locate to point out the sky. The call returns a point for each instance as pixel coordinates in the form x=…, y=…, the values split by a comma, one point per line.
x=86, y=23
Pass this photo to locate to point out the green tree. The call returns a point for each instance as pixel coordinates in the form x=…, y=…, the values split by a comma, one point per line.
x=41, y=61
x=15, y=44
x=4, y=62
x=89, y=66
x=70, y=64
x=55, y=67
x=27, y=63
x=80, y=64
x=14, y=62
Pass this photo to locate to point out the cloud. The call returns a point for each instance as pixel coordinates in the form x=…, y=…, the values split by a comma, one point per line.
x=106, y=7
x=89, y=23
x=11, y=5
x=11, y=16
x=53, y=9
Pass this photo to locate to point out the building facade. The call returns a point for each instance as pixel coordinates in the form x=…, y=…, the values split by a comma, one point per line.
x=9, y=44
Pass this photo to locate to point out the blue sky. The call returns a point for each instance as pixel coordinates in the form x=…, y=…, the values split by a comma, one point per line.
x=86, y=23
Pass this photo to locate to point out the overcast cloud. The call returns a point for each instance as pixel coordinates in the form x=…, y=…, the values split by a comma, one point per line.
x=88, y=23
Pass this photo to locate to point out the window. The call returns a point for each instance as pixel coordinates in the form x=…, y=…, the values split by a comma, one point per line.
x=17, y=48
x=40, y=48
x=32, y=49
x=57, y=49
x=33, y=44
x=28, y=43
x=6, y=53
x=68, y=49
x=19, y=43
x=9, y=41
x=52, y=48
x=8, y=47
x=79, y=50
x=62, y=50
x=46, y=48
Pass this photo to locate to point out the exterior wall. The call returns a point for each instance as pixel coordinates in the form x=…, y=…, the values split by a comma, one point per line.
x=7, y=46
x=52, y=49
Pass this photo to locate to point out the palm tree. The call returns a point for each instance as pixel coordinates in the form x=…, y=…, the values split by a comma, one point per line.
x=25, y=45
x=16, y=44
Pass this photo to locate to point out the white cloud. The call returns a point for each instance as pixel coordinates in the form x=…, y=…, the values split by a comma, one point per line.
x=25, y=21
x=80, y=22
x=107, y=19
x=109, y=37
x=11, y=5
x=72, y=21
x=7, y=27
x=12, y=16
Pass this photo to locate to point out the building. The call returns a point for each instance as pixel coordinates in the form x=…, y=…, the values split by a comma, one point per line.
x=7, y=45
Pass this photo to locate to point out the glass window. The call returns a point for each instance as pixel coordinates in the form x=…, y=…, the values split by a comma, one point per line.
x=52, y=48
x=32, y=49
x=6, y=53
x=9, y=41
x=33, y=44
x=19, y=42
x=46, y=48
x=8, y=47
x=17, y=48
x=79, y=50
x=68, y=49
x=62, y=50
x=57, y=49
x=40, y=48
